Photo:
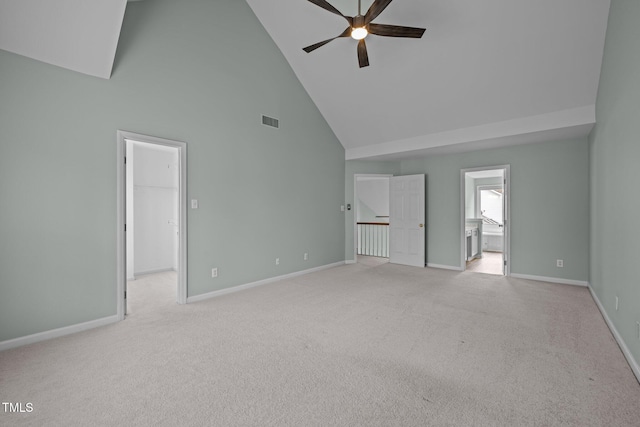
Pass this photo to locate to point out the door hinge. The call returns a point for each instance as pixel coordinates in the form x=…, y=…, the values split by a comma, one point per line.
x=125, y=160
x=125, y=228
x=125, y=294
x=505, y=262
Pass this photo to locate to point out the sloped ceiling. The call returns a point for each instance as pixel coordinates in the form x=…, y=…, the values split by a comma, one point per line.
x=80, y=35
x=485, y=74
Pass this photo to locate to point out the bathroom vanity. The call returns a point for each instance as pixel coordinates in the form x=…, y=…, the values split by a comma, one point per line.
x=473, y=238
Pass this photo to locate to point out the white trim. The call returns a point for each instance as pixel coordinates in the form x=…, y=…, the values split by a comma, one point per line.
x=444, y=267
x=121, y=250
x=551, y=279
x=350, y=261
x=238, y=288
x=59, y=332
x=633, y=364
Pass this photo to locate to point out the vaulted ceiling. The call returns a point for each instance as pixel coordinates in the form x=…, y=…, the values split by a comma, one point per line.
x=485, y=74
x=79, y=35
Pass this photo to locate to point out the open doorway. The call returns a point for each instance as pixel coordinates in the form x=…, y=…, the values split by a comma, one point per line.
x=371, y=199
x=151, y=223
x=485, y=225
x=153, y=177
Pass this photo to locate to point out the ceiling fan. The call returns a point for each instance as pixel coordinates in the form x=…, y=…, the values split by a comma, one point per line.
x=360, y=26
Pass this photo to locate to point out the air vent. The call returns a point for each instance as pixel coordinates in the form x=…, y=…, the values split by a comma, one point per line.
x=270, y=121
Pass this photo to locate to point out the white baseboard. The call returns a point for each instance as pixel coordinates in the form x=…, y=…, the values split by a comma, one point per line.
x=238, y=288
x=55, y=333
x=444, y=267
x=350, y=261
x=633, y=364
x=551, y=279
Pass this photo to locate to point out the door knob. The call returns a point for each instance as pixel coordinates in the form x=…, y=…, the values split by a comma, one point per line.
x=421, y=225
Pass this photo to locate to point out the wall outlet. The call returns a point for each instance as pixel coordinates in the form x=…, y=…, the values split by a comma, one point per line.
x=341, y=208
x=306, y=256
x=277, y=261
x=616, y=302
x=559, y=263
x=214, y=272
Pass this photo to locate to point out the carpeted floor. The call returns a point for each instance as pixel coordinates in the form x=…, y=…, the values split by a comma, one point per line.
x=151, y=293
x=367, y=344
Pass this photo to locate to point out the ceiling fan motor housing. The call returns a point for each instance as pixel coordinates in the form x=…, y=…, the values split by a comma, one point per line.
x=358, y=21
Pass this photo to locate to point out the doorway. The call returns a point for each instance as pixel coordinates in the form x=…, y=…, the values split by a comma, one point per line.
x=151, y=220
x=485, y=220
x=371, y=218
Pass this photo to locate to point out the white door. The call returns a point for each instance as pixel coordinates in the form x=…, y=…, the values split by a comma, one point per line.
x=406, y=220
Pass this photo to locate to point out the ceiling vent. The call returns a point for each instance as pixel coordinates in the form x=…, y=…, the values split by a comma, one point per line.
x=270, y=121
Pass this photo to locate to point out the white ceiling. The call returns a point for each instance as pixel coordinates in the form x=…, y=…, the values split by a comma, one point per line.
x=79, y=35
x=485, y=74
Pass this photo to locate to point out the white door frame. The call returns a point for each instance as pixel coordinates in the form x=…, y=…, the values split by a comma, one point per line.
x=121, y=193
x=506, y=219
x=355, y=206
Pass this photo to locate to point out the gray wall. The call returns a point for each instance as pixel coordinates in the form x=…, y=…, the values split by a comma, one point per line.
x=615, y=177
x=553, y=175
x=200, y=72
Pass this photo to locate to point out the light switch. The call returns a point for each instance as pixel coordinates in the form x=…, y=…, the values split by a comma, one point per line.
x=194, y=203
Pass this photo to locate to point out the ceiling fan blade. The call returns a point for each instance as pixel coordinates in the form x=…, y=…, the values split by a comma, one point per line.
x=326, y=6
x=363, y=57
x=309, y=49
x=395, y=31
x=376, y=9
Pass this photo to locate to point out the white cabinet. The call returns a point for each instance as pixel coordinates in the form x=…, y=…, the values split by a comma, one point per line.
x=474, y=242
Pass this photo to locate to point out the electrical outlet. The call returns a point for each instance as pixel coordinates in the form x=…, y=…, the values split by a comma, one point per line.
x=306, y=256
x=559, y=263
x=214, y=272
x=277, y=261
x=616, y=302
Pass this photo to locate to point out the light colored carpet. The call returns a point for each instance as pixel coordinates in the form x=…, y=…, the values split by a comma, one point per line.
x=151, y=293
x=356, y=345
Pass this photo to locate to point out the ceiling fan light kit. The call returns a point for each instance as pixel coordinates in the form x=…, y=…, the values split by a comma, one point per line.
x=359, y=33
x=361, y=26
